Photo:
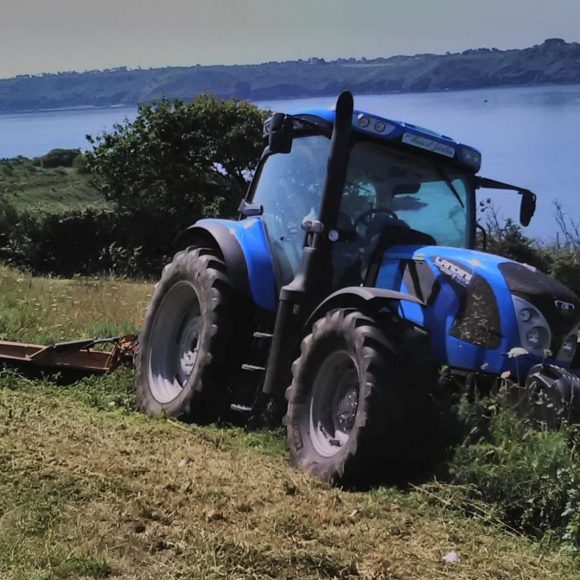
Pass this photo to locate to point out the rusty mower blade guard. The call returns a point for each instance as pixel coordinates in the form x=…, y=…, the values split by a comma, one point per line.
x=77, y=355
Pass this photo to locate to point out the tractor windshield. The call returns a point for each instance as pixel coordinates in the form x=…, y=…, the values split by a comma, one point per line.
x=388, y=194
x=390, y=189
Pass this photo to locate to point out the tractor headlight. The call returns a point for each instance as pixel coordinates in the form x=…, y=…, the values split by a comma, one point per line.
x=568, y=348
x=535, y=335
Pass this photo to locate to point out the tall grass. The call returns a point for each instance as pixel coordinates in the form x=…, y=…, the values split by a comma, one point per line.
x=47, y=310
x=528, y=474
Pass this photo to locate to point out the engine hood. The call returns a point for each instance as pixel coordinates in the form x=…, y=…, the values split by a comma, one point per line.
x=468, y=297
x=559, y=305
x=461, y=265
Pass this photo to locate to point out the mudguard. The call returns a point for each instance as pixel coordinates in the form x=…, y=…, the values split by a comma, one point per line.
x=246, y=252
x=361, y=296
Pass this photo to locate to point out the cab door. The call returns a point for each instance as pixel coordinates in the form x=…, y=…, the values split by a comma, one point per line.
x=289, y=188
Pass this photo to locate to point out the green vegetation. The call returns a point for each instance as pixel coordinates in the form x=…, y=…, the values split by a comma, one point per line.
x=529, y=476
x=90, y=488
x=178, y=160
x=552, y=62
x=561, y=259
x=46, y=310
x=50, y=184
x=95, y=213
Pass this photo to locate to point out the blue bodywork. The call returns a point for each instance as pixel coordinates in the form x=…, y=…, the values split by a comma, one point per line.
x=443, y=308
x=404, y=133
x=439, y=315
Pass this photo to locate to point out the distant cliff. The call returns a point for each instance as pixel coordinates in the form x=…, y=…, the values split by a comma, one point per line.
x=552, y=62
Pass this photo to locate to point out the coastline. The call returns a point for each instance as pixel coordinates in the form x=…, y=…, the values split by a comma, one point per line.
x=321, y=95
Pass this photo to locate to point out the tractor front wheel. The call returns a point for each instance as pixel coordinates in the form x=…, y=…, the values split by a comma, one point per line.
x=356, y=407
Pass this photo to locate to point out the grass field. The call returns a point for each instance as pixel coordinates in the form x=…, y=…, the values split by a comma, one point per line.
x=27, y=186
x=52, y=309
x=91, y=489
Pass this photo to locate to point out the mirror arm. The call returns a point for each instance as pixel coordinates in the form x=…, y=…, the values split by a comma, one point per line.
x=248, y=209
x=528, y=197
x=486, y=183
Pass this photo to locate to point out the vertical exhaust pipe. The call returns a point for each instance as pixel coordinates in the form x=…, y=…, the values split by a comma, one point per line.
x=313, y=281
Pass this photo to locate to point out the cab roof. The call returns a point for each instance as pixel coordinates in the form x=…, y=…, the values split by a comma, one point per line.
x=407, y=135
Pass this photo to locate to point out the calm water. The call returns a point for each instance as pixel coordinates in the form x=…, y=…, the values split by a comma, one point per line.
x=528, y=136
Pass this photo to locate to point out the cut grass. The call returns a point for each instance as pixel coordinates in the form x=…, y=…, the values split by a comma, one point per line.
x=91, y=489
x=88, y=492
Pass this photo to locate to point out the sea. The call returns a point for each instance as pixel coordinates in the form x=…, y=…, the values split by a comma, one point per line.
x=528, y=136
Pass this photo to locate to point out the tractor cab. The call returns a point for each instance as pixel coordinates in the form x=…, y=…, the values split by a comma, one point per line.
x=403, y=185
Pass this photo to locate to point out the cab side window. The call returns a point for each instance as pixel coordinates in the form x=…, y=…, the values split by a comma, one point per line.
x=289, y=189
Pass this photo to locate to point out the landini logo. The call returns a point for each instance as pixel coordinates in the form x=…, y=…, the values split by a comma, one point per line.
x=454, y=271
x=564, y=306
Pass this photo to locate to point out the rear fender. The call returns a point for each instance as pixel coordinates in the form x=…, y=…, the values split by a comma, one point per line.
x=246, y=253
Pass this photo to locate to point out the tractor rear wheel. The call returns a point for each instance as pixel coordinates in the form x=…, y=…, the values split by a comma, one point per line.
x=185, y=348
x=357, y=408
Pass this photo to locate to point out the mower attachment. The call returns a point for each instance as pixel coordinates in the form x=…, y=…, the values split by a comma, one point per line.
x=76, y=355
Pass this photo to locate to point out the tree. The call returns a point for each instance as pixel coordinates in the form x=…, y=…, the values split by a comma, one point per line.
x=179, y=161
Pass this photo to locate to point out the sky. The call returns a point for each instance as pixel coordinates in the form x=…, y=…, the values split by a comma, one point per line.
x=60, y=35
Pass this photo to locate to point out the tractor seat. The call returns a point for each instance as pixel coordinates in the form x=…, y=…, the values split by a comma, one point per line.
x=396, y=234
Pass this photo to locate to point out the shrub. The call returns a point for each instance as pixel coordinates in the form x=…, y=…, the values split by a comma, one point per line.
x=561, y=261
x=531, y=475
x=89, y=241
x=179, y=160
x=59, y=158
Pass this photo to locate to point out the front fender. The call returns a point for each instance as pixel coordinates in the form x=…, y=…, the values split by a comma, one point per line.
x=361, y=297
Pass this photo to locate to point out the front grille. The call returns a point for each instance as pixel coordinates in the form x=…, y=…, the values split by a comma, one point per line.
x=478, y=319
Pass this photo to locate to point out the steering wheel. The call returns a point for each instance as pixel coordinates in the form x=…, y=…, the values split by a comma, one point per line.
x=364, y=217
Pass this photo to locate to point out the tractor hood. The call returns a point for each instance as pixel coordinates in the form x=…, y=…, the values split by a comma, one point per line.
x=490, y=304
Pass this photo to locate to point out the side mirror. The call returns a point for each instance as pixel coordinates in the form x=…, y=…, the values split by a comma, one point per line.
x=527, y=207
x=280, y=134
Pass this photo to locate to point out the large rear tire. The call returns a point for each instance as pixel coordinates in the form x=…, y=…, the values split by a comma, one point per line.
x=358, y=409
x=186, y=347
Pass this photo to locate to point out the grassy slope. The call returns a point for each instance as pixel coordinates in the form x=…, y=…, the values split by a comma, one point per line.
x=88, y=488
x=28, y=187
x=95, y=491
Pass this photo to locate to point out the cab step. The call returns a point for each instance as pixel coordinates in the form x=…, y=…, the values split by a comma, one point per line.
x=253, y=368
x=244, y=409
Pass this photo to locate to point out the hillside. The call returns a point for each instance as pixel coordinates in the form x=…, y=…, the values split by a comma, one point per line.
x=92, y=490
x=552, y=62
x=27, y=184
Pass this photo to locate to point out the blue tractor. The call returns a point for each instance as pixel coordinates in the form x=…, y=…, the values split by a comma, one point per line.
x=348, y=295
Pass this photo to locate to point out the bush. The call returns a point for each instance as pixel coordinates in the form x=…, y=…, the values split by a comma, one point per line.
x=507, y=239
x=565, y=266
x=179, y=160
x=8, y=216
x=531, y=475
x=87, y=242
x=60, y=158
x=175, y=163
